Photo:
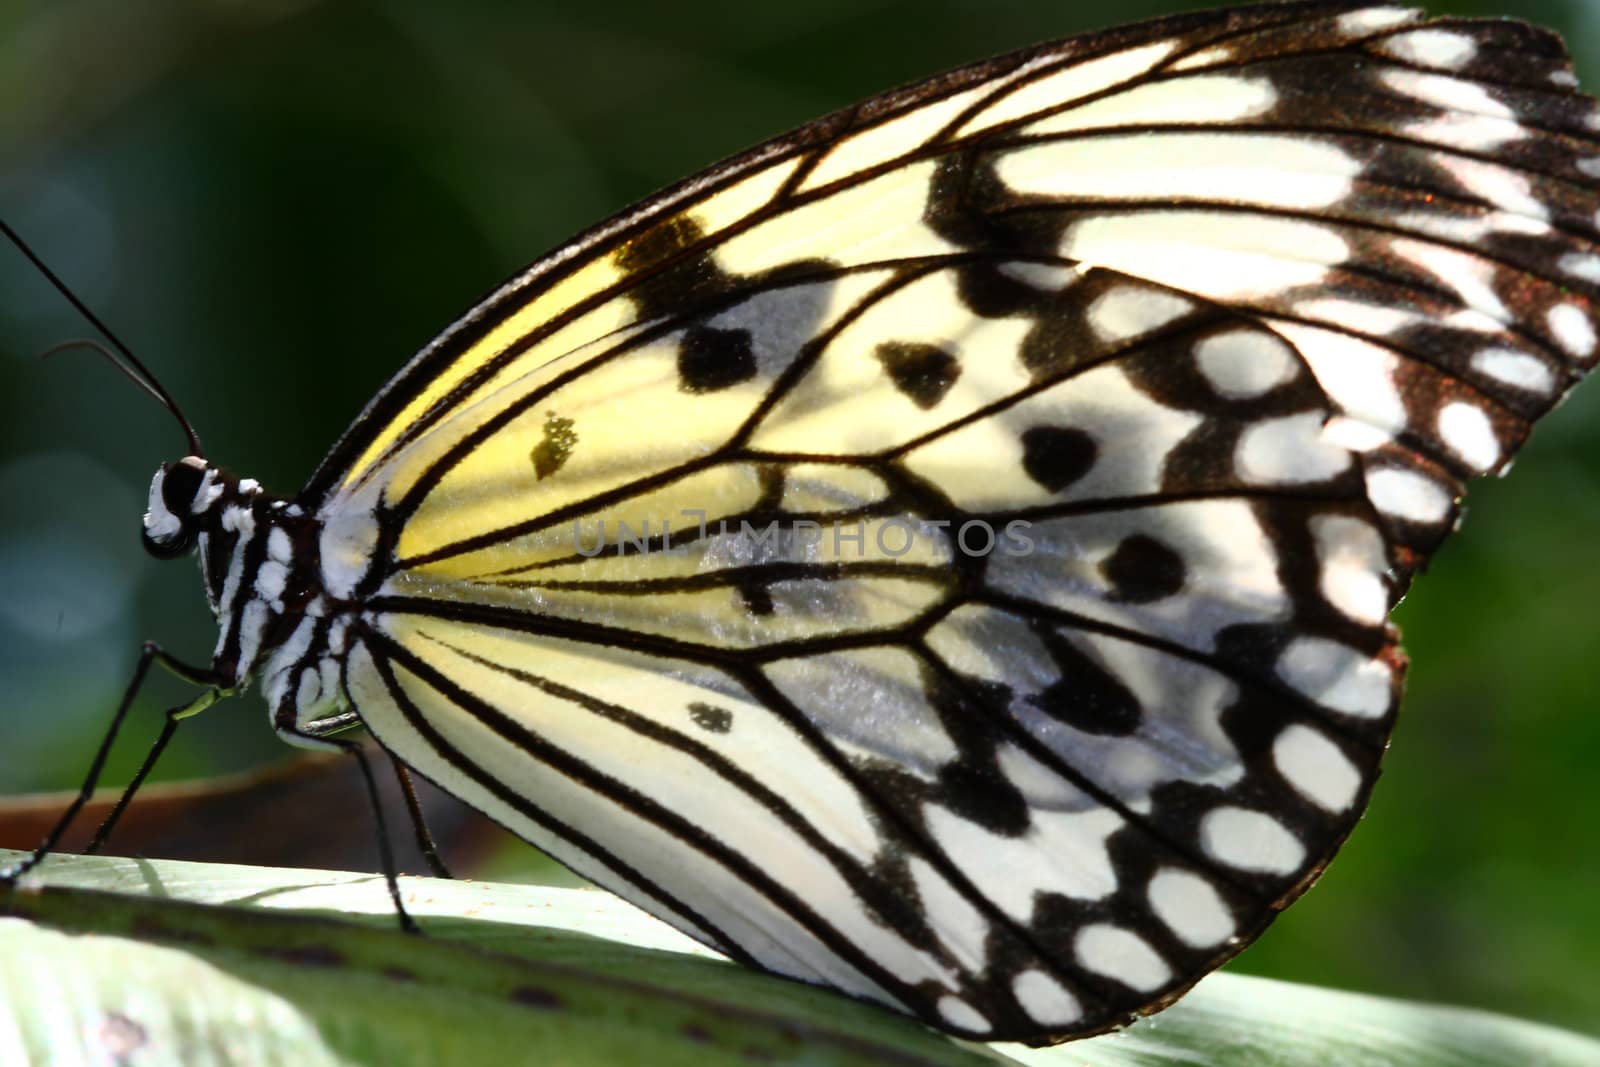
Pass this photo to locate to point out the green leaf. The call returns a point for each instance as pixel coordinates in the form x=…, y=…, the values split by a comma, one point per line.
x=128, y=961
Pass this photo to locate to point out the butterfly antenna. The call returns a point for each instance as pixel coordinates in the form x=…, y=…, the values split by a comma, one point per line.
x=118, y=355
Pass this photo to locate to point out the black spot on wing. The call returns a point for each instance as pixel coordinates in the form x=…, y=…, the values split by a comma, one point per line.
x=711, y=719
x=922, y=373
x=1142, y=569
x=710, y=359
x=672, y=268
x=1086, y=696
x=973, y=786
x=554, y=448
x=756, y=595
x=1057, y=456
x=977, y=790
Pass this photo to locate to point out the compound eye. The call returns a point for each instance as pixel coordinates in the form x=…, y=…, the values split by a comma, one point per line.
x=169, y=523
x=179, y=484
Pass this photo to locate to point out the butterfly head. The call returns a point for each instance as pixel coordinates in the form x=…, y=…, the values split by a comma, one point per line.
x=183, y=497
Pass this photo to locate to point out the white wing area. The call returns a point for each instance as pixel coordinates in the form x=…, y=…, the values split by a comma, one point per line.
x=945, y=555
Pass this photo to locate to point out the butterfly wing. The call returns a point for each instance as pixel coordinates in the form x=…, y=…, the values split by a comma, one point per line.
x=944, y=554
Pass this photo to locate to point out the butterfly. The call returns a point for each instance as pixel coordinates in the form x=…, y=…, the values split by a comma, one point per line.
x=944, y=553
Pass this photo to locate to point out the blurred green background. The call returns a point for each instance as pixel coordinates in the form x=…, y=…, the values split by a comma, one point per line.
x=276, y=201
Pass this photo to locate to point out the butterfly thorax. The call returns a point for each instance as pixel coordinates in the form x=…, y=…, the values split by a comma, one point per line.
x=259, y=562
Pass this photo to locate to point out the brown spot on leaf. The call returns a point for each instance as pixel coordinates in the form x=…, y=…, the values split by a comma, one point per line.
x=310, y=955
x=534, y=997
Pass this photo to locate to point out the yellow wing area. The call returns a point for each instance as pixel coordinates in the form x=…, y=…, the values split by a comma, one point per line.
x=848, y=185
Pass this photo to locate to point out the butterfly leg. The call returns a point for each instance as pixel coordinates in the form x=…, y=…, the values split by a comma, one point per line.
x=425, y=842
x=151, y=653
x=391, y=877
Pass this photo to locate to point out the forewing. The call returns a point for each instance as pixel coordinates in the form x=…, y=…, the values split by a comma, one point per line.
x=945, y=554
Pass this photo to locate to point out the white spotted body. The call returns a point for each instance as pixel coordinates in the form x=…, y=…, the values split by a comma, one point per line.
x=1197, y=352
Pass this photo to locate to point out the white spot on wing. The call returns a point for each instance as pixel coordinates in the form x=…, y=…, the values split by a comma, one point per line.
x=961, y=1015
x=1470, y=435
x=1373, y=19
x=1459, y=130
x=1361, y=315
x=1464, y=273
x=1217, y=254
x=1046, y=1000
x=1241, y=364
x=1128, y=311
x=1337, y=676
x=1288, y=450
x=1583, y=265
x=1252, y=168
x=1121, y=955
x=1466, y=229
x=1432, y=48
x=1190, y=907
x=1040, y=786
x=1498, y=185
x=1447, y=93
x=1062, y=852
x=1514, y=368
x=1316, y=768
x=1250, y=841
x=1355, y=435
x=1045, y=276
x=1407, y=495
x=1572, y=329
x=1353, y=562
